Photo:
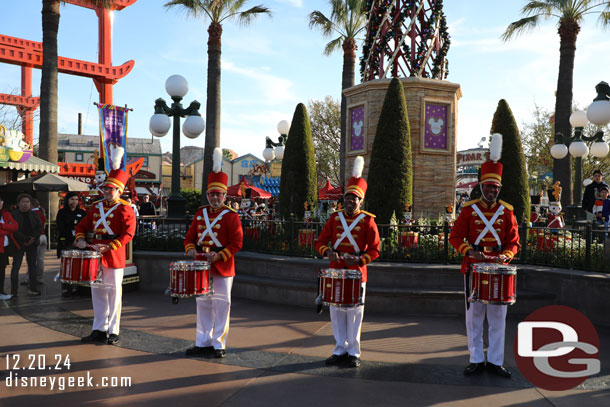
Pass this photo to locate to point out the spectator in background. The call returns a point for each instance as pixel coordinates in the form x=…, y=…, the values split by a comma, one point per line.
x=147, y=207
x=133, y=206
x=67, y=219
x=7, y=227
x=27, y=237
x=592, y=193
x=42, y=244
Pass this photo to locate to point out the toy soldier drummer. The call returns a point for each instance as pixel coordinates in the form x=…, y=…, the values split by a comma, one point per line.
x=354, y=243
x=113, y=224
x=216, y=231
x=486, y=229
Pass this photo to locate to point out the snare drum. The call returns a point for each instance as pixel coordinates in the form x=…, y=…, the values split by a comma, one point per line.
x=340, y=287
x=188, y=278
x=493, y=283
x=79, y=266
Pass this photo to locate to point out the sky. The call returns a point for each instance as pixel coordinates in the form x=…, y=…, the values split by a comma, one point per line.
x=275, y=63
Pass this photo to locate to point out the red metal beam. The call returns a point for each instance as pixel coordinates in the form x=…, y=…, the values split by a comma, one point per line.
x=117, y=4
x=15, y=100
x=33, y=58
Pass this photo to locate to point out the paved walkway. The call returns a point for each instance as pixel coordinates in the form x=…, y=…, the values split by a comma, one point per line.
x=275, y=357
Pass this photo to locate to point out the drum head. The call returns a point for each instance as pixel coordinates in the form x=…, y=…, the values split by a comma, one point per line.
x=80, y=254
x=493, y=268
x=189, y=265
x=341, y=273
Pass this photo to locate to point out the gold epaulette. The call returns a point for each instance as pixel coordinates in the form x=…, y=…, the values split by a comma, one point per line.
x=231, y=209
x=368, y=213
x=506, y=205
x=340, y=210
x=124, y=202
x=474, y=201
x=98, y=201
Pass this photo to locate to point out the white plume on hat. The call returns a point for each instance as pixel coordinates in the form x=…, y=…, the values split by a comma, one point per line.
x=495, y=147
x=217, y=159
x=116, y=156
x=358, y=167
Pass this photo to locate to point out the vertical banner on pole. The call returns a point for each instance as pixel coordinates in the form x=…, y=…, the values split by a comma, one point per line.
x=113, y=134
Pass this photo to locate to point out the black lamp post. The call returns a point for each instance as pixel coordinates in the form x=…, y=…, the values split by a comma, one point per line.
x=269, y=153
x=597, y=113
x=176, y=86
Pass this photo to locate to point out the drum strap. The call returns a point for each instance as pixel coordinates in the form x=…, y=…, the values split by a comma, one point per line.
x=489, y=224
x=103, y=216
x=347, y=231
x=209, y=227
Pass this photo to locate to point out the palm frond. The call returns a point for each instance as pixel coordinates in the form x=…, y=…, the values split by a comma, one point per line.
x=519, y=27
x=319, y=20
x=246, y=17
x=604, y=18
x=333, y=45
x=544, y=8
x=190, y=7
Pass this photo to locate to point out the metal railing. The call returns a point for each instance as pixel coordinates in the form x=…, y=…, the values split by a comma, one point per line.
x=576, y=248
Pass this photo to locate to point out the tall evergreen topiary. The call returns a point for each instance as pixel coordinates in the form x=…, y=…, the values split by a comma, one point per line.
x=390, y=177
x=515, y=184
x=299, y=181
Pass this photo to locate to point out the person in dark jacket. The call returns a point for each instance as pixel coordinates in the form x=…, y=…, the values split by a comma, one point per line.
x=147, y=207
x=27, y=237
x=7, y=227
x=67, y=219
x=592, y=193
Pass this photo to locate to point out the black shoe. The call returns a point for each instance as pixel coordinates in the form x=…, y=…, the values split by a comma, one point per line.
x=499, y=370
x=334, y=359
x=95, y=336
x=112, y=339
x=31, y=292
x=220, y=353
x=354, y=361
x=67, y=294
x=198, y=350
x=474, y=368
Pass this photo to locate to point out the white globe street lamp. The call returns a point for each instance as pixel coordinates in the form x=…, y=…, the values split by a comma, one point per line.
x=177, y=87
x=276, y=150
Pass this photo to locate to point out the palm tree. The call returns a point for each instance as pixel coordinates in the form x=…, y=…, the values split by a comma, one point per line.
x=569, y=15
x=347, y=20
x=48, y=84
x=47, y=133
x=216, y=11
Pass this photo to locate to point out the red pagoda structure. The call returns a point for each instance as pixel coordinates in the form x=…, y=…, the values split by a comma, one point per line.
x=28, y=55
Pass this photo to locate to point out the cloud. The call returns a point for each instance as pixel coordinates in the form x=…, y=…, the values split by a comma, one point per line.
x=294, y=3
x=272, y=89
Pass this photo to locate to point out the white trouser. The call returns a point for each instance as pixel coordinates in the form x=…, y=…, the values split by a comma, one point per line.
x=347, y=325
x=106, y=298
x=213, y=314
x=496, y=319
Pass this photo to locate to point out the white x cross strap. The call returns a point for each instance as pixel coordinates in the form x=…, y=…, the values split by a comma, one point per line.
x=103, y=216
x=489, y=224
x=347, y=231
x=209, y=228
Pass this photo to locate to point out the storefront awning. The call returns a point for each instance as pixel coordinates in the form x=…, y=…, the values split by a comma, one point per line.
x=33, y=164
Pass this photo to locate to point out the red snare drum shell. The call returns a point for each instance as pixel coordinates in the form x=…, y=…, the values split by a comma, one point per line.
x=79, y=266
x=492, y=283
x=188, y=278
x=341, y=287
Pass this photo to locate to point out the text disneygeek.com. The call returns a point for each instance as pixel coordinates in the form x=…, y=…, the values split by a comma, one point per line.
x=15, y=380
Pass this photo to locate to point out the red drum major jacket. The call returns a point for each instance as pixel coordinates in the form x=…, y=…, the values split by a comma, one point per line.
x=118, y=230
x=365, y=235
x=227, y=230
x=468, y=226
